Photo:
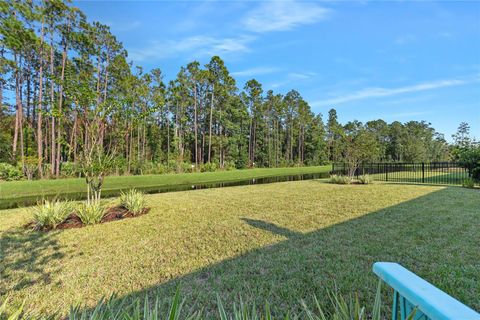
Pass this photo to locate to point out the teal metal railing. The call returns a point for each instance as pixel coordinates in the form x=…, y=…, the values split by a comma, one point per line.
x=414, y=293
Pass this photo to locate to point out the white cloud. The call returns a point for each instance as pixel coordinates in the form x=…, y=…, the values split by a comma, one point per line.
x=283, y=15
x=292, y=79
x=254, y=71
x=368, y=93
x=195, y=45
x=301, y=75
x=266, y=17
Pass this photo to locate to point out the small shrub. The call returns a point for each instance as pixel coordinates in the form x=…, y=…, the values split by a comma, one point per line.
x=186, y=167
x=51, y=213
x=90, y=213
x=229, y=165
x=31, y=167
x=133, y=201
x=9, y=172
x=365, y=179
x=209, y=167
x=70, y=170
x=338, y=179
x=468, y=183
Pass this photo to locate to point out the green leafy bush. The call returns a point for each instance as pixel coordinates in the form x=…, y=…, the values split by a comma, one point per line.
x=468, y=183
x=90, y=213
x=9, y=172
x=30, y=167
x=51, y=213
x=133, y=201
x=209, y=167
x=229, y=165
x=469, y=158
x=365, y=179
x=186, y=167
x=70, y=169
x=338, y=179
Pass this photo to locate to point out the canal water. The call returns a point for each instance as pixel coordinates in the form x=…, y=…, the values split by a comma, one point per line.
x=28, y=201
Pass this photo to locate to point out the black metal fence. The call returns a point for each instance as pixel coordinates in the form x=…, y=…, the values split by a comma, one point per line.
x=414, y=172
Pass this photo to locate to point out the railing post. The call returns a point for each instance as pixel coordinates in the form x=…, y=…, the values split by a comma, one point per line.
x=385, y=166
x=423, y=172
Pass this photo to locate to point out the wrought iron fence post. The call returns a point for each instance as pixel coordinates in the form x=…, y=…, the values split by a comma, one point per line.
x=385, y=166
x=423, y=172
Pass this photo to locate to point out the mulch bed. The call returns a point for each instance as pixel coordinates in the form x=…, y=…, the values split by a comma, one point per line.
x=112, y=214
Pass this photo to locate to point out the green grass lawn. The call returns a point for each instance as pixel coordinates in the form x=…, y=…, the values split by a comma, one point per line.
x=28, y=191
x=277, y=242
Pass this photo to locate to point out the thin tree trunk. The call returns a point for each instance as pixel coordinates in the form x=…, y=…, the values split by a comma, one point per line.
x=250, y=136
x=210, y=125
x=73, y=137
x=195, y=125
x=221, y=138
x=46, y=140
x=144, y=141
x=168, y=134
x=20, y=116
x=254, y=142
x=180, y=133
x=130, y=151
x=52, y=147
x=17, y=112
x=60, y=102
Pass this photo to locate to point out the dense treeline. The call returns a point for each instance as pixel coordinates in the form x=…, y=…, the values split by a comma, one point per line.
x=70, y=86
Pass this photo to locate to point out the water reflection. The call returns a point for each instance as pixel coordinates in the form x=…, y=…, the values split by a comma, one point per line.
x=27, y=201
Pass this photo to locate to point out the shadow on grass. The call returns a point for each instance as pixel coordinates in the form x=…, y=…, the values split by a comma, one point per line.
x=273, y=228
x=27, y=255
x=436, y=236
x=430, y=235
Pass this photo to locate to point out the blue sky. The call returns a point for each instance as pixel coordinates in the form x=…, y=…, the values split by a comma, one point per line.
x=399, y=60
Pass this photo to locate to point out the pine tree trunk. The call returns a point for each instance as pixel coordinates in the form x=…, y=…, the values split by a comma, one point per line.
x=52, y=148
x=168, y=134
x=250, y=143
x=17, y=112
x=40, y=111
x=210, y=129
x=254, y=142
x=195, y=125
x=73, y=137
x=60, y=102
x=28, y=105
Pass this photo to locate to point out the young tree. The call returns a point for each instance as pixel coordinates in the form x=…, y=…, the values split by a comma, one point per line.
x=357, y=145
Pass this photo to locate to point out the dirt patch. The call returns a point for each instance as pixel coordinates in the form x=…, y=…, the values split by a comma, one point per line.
x=73, y=221
x=118, y=213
